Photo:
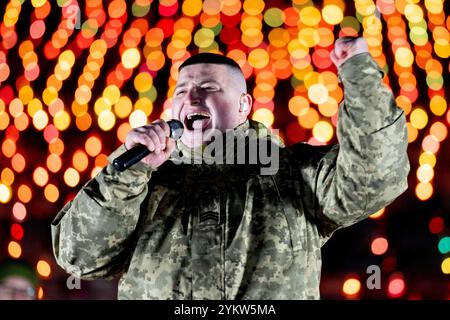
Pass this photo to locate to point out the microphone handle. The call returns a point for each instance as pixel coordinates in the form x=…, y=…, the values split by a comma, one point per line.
x=129, y=158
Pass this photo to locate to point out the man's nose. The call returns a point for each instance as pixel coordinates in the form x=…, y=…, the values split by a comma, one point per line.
x=194, y=97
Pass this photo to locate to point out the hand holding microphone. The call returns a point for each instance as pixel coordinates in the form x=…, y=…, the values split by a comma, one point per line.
x=151, y=144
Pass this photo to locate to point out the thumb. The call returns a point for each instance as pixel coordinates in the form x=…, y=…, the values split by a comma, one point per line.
x=333, y=58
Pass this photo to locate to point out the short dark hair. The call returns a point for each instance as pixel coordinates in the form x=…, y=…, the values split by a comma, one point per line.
x=18, y=268
x=207, y=57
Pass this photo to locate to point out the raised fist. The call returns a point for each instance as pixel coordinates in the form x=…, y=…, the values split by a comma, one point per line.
x=347, y=47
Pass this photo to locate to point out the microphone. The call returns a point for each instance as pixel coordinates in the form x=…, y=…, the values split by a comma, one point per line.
x=138, y=152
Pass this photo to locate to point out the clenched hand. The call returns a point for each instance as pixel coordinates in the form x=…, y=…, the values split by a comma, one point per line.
x=347, y=47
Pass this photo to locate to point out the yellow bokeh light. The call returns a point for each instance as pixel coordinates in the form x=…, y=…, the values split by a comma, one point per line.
x=66, y=60
x=143, y=82
x=424, y=191
x=297, y=49
x=111, y=94
x=258, y=58
x=40, y=176
x=365, y=7
x=51, y=193
x=204, y=37
x=265, y=116
x=43, y=268
x=212, y=7
x=49, y=95
x=253, y=7
x=377, y=214
x=138, y=119
x=34, y=106
x=438, y=105
x=71, y=177
x=310, y=16
x=80, y=160
x=419, y=118
x=123, y=107
x=95, y=171
x=434, y=6
x=445, y=266
x=311, y=78
x=26, y=94
x=83, y=94
x=24, y=193
x=439, y=131
x=106, y=120
x=404, y=57
x=53, y=162
x=123, y=131
x=442, y=48
x=412, y=132
x=192, y=8
x=318, y=93
x=351, y=287
x=4, y=120
x=309, y=119
x=40, y=293
x=332, y=14
x=61, y=120
x=40, y=119
x=38, y=3
x=425, y=173
x=56, y=146
x=413, y=13
x=144, y=104
x=102, y=104
x=93, y=146
x=278, y=37
x=14, y=249
x=298, y=105
x=427, y=158
x=323, y=131
x=309, y=37
x=5, y=193
x=329, y=108
x=131, y=58
x=7, y=176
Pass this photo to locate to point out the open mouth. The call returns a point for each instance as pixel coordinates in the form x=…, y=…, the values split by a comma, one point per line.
x=197, y=120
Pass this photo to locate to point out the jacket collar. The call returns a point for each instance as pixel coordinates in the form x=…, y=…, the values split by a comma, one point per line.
x=249, y=128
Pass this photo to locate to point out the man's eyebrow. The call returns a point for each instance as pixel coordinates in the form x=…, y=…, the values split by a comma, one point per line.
x=180, y=85
x=183, y=84
x=208, y=81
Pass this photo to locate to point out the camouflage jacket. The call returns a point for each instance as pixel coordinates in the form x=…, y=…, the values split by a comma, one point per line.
x=196, y=231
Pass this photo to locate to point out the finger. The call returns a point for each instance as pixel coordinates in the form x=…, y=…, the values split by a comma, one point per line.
x=333, y=58
x=140, y=138
x=338, y=49
x=164, y=125
x=155, y=139
x=161, y=135
x=132, y=137
x=170, y=147
x=343, y=44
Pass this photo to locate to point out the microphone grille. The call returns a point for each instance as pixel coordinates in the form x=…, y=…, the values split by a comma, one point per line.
x=176, y=129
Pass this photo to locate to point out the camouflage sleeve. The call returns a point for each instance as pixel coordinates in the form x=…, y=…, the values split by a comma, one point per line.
x=369, y=167
x=91, y=235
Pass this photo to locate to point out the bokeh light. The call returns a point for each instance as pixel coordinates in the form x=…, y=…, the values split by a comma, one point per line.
x=351, y=287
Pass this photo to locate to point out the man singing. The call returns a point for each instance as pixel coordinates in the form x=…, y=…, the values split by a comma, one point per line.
x=172, y=227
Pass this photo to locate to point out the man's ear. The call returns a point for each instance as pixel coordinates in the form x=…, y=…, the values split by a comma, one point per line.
x=245, y=104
